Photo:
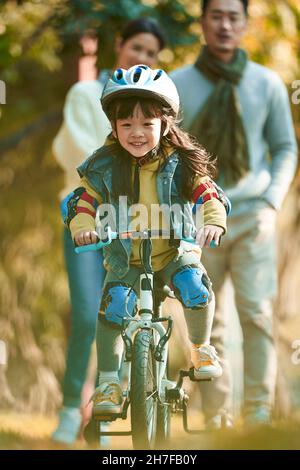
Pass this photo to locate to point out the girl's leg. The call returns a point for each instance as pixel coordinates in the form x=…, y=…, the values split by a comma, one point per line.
x=199, y=322
x=193, y=289
x=118, y=301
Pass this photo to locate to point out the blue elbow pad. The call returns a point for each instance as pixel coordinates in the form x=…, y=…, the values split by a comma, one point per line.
x=64, y=207
x=69, y=204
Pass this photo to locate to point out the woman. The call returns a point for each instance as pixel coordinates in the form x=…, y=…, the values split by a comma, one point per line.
x=84, y=129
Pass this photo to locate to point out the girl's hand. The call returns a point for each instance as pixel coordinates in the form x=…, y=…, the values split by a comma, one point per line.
x=86, y=237
x=206, y=234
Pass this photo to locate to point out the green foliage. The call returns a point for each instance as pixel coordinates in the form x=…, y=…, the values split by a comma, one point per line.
x=38, y=48
x=33, y=290
x=41, y=31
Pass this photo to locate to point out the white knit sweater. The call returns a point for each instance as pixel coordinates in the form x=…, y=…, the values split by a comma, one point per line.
x=84, y=129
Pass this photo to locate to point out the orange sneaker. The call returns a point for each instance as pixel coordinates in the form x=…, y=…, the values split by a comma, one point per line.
x=107, y=399
x=205, y=361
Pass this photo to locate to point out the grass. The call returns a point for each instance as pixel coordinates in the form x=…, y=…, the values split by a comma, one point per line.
x=21, y=431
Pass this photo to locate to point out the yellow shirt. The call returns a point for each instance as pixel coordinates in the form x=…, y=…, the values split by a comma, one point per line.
x=162, y=253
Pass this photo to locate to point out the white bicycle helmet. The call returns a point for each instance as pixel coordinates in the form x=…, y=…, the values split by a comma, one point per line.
x=141, y=80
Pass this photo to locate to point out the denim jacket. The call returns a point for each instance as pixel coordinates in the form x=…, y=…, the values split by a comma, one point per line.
x=97, y=169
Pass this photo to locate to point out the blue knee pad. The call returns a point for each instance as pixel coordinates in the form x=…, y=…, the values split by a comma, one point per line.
x=192, y=287
x=118, y=301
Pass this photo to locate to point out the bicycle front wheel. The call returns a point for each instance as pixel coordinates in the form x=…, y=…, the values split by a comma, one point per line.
x=163, y=425
x=143, y=392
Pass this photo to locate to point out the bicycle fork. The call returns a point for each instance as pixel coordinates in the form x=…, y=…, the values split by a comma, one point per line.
x=146, y=321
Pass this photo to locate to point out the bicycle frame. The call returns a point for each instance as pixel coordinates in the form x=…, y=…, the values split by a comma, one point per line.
x=148, y=321
x=149, y=318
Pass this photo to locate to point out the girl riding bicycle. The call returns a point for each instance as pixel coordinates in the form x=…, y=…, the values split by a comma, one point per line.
x=149, y=159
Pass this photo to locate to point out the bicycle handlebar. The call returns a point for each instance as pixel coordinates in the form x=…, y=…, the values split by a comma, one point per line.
x=131, y=235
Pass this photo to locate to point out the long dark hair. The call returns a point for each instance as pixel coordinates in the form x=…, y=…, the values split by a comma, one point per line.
x=144, y=25
x=194, y=158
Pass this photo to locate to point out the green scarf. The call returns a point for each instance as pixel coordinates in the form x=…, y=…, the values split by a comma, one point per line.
x=218, y=126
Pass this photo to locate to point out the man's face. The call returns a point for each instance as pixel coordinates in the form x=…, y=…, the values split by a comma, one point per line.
x=224, y=24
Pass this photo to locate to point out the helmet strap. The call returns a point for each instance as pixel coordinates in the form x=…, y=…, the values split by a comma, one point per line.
x=151, y=155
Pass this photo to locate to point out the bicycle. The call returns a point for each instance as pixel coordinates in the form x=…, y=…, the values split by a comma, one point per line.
x=152, y=397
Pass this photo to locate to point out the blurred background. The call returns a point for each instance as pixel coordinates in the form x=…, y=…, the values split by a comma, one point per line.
x=41, y=55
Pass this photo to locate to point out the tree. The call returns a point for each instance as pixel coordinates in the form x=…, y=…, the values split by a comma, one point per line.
x=38, y=42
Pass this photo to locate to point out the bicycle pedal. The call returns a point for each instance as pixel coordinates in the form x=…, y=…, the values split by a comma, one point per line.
x=190, y=374
x=106, y=417
x=175, y=394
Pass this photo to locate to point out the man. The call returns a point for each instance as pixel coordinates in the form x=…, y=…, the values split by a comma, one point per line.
x=240, y=112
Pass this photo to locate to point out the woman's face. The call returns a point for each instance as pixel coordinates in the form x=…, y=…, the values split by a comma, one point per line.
x=143, y=48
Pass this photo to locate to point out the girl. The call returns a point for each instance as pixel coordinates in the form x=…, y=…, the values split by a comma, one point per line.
x=85, y=129
x=154, y=163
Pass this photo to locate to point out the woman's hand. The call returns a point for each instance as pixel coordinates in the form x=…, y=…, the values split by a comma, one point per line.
x=86, y=237
x=206, y=234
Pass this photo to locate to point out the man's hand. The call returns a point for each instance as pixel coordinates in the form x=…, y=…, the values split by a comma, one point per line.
x=206, y=234
x=86, y=237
